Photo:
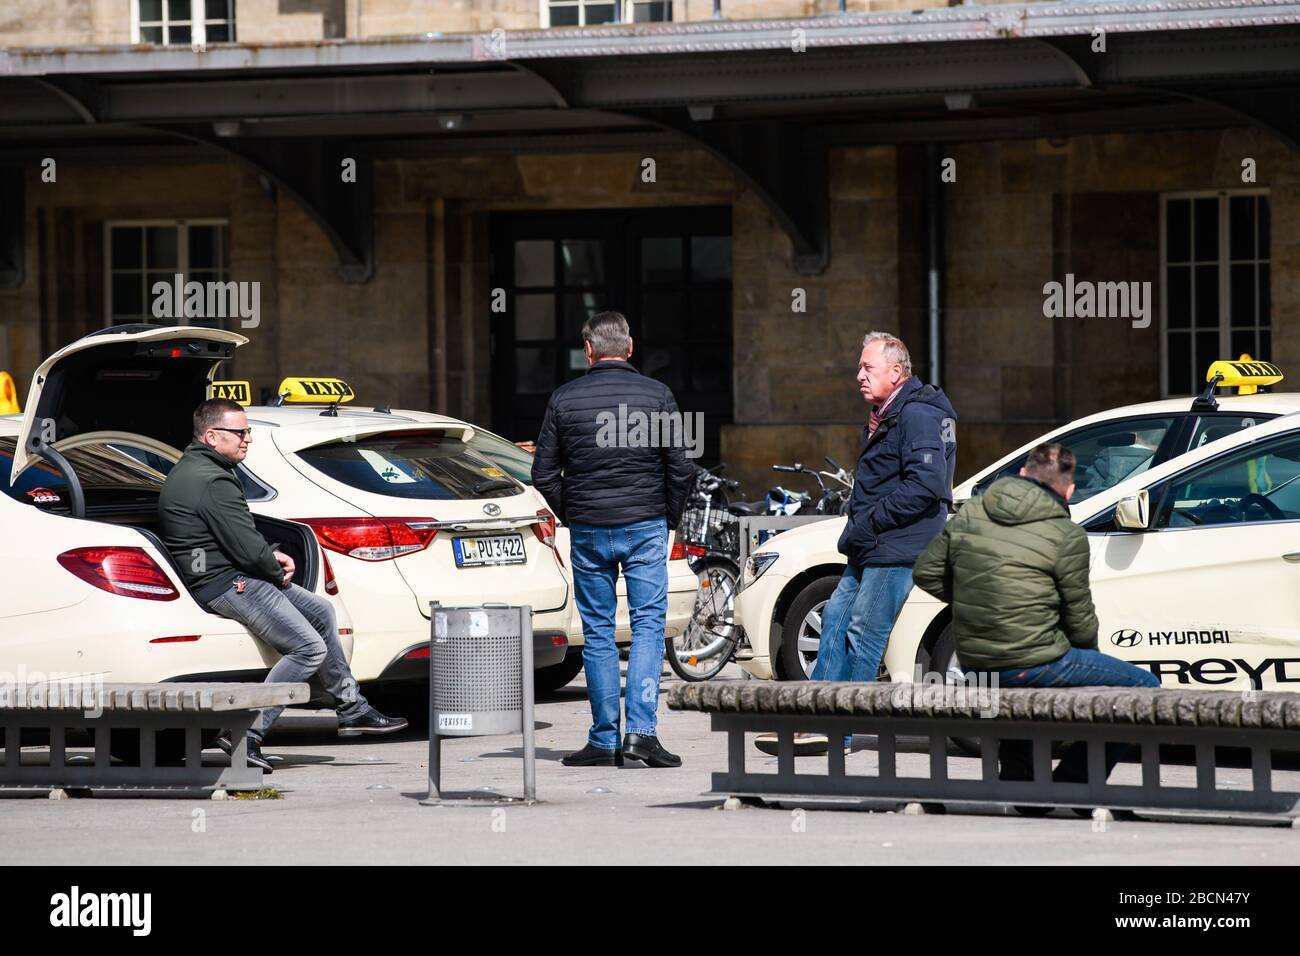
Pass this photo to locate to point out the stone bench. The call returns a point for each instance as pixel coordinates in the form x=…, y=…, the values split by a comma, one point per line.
x=146, y=726
x=1256, y=725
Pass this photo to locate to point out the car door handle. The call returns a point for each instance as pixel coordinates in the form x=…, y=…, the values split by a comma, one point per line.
x=1293, y=556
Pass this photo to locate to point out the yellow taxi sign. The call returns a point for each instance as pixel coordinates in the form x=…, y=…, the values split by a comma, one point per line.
x=237, y=392
x=1245, y=374
x=8, y=395
x=315, y=390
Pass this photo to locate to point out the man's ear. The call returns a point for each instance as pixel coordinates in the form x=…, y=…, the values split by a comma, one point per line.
x=629, y=346
x=1069, y=492
x=1024, y=473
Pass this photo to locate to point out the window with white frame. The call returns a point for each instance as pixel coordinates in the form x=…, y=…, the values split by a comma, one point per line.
x=184, y=22
x=585, y=13
x=1215, y=298
x=142, y=254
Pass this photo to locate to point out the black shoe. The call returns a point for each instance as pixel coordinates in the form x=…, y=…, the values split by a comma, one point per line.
x=649, y=751
x=371, y=722
x=590, y=756
x=255, y=756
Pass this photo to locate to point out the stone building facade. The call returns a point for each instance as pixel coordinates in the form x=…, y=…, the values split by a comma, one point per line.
x=422, y=332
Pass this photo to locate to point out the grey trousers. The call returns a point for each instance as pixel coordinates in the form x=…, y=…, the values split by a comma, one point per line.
x=301, y=626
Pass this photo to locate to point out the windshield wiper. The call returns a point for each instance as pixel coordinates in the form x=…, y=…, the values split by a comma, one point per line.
x=493, y=484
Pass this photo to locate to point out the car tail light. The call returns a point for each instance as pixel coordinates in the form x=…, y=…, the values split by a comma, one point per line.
x=373, y=539
x=178, y=639
x=545, y=531
x=130, y=572
x=695, y=551
x=331, y=585
x=678, y=552
x=417, y=654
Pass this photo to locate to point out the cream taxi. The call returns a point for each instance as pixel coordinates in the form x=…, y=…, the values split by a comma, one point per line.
x=87, y=591
x=1188, y=509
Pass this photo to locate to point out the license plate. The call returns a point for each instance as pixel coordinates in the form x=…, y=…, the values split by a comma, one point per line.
x=491, y=549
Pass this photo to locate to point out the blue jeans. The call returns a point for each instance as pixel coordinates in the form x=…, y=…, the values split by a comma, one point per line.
x=1077, y=667
x=857, y=620
x=597, y=554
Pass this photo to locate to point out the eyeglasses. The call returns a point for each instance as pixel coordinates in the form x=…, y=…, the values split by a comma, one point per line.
x=241, y=432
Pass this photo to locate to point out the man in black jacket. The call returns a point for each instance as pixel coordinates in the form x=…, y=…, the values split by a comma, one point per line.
x=612, y=465
x=232, y=571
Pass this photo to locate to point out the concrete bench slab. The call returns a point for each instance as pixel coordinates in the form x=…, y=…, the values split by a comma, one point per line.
x=155, y=730
x=1258, y=723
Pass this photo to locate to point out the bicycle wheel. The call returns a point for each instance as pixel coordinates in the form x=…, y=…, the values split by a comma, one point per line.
x=710, y=638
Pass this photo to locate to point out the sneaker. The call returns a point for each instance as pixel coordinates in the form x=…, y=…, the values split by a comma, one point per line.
x=371, y=722
x=805, y=745
x=255, y=756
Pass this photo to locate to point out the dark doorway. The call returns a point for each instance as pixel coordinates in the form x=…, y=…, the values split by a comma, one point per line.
x=667, y=270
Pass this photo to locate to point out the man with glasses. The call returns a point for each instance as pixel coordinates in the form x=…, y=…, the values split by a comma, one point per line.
x=232, y=571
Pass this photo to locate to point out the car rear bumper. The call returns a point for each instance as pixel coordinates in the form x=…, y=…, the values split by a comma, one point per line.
x=549, y=647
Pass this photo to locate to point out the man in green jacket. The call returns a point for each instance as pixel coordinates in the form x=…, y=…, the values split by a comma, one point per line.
x=1014, y=568
x=232, y=571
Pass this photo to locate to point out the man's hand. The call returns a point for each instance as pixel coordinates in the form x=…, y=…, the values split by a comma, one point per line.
x=286, y=565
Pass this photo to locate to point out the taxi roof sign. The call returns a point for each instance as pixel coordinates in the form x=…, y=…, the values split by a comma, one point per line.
x=8, y=395
x=299, y=390
x=1244, y=373
x=237, y=392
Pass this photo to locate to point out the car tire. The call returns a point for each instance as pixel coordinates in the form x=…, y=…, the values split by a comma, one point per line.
x=815, y=594
x=550, y=679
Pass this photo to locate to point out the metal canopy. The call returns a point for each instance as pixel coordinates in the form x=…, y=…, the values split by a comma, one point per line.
x=737, y=89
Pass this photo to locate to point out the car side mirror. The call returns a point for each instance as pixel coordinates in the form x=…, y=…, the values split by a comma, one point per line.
x=1134, y=513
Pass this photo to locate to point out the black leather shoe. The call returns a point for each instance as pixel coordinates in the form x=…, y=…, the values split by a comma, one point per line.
x=590, y=756
x=649, y=751
x=255, y=756
x=371, y=722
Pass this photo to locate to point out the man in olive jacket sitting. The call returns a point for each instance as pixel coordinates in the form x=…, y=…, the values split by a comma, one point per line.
x=231, y=570
x=1014, y=567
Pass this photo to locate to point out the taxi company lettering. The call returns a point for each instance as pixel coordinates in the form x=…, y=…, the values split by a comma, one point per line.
x=208, y=300
x=638, y=429
x=1102, y=300
x=74, y=909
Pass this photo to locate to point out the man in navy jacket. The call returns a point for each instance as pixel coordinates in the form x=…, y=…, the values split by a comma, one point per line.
x=902, y=493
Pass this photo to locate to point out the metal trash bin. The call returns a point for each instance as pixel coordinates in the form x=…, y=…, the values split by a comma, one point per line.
x=481, y=681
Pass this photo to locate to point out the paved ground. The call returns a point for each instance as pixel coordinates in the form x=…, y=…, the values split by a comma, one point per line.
x=360, y=802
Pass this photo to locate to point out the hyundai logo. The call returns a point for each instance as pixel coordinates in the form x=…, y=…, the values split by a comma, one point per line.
x=491, y=510
x=1126, y=638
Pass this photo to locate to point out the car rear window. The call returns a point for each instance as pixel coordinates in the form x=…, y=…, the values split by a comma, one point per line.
x=510, y=457
x=107, y=475
x=430, y=465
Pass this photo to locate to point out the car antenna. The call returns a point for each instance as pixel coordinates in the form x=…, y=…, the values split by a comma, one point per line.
x=1206, y=402
x=385, y=409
